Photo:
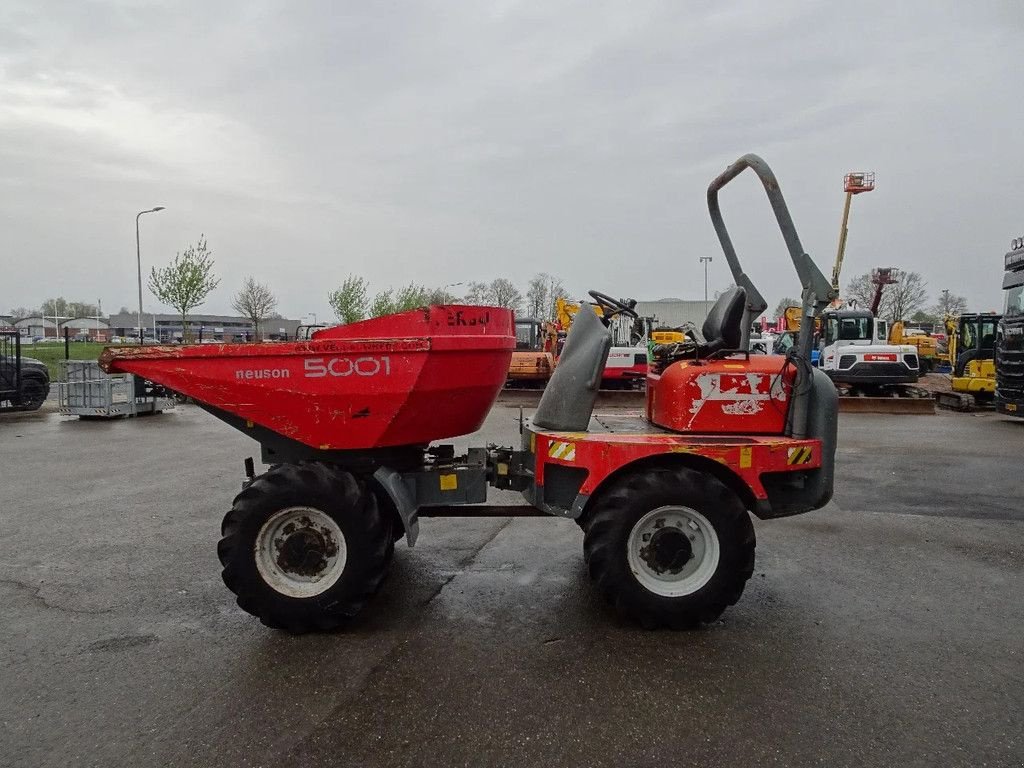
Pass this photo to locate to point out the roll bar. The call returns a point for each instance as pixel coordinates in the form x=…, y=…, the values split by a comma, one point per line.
x=816, y=291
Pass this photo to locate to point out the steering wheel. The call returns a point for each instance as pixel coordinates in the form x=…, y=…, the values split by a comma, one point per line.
x=611, y=307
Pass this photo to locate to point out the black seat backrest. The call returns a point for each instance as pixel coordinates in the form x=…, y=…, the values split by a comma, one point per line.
x=723, y=327
x=568, y=400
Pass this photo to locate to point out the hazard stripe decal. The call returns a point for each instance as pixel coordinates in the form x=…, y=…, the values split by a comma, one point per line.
x=800, y=455
x=558, y=449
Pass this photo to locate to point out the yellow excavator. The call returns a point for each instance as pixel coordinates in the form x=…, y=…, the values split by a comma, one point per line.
x=972, y=339
x=927, y=346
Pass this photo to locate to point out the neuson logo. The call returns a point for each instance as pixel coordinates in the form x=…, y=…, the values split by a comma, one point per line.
x=262, y=373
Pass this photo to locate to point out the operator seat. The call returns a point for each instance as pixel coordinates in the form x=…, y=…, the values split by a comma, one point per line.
x=723, y=327
x=983, y=352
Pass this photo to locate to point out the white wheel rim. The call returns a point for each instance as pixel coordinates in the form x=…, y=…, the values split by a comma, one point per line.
x=300, y=552
x=662, y=562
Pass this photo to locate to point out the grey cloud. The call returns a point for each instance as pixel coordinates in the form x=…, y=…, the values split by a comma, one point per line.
x=442, y=142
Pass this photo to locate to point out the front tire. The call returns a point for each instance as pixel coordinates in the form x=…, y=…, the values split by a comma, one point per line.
x=305, y=546
x=669, y=547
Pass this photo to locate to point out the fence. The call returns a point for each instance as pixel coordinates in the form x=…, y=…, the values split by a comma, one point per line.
x=85, y=390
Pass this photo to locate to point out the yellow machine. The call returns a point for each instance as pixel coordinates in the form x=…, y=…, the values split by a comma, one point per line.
x=536, y=353
x=668, y=336
x=566, y=310
x=792, y=317
x=971, y=354
x=927, y=346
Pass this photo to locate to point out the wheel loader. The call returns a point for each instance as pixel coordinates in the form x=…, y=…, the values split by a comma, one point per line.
x=348, y=422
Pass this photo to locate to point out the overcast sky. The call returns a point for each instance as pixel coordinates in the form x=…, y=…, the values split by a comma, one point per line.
x=447, y=141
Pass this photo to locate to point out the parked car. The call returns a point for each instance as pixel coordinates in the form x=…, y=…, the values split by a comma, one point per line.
x=27, y=392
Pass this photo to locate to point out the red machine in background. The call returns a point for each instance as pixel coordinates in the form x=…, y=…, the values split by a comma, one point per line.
x=345, y=420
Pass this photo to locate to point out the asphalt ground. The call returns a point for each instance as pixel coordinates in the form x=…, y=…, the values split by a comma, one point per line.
x=886, y=629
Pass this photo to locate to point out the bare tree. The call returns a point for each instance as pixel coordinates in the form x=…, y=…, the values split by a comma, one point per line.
x=503, y=293
x=904, y=297
x=256, y=302
x=476, y=293
x=860, y=290
x=186, y=282
x=900, y=299
x=949, y=304
x=541, y=293
x=784, y=304
x=349, y=301
x=441, y=296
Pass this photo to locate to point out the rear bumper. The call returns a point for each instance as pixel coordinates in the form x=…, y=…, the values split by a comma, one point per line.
x=1010, y=403
x=875, y=373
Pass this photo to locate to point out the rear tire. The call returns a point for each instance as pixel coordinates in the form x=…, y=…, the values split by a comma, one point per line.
x=304, y=547
x=34, y=392
x=669, y=547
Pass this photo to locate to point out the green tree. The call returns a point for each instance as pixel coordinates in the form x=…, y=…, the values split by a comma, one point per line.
x=256, y=302
x=383, y=304
x=411, y=296
x=349, y=301
x=185, y=283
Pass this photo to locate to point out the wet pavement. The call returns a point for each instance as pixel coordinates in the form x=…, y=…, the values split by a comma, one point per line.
x=887, y=629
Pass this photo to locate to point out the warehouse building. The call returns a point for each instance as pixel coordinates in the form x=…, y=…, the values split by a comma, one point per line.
x=168, y=328
x=672, y=313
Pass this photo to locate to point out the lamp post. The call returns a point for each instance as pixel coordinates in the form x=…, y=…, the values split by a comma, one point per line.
x=705, y=260
x=138, y=262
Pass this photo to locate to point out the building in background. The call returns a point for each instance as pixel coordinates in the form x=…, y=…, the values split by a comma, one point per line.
x=672, y=313
x=167, y=328
x=86, y=329
x=36, y=327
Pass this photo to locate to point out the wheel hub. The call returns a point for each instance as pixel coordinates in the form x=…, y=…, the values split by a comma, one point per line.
x=673, y=551
x=300, y=552
x=305, y=552
x=668, y=551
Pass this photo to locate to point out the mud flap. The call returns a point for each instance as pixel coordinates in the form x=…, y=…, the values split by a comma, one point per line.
x=392, y=484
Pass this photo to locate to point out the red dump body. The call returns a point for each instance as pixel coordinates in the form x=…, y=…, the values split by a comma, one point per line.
x=403, y=379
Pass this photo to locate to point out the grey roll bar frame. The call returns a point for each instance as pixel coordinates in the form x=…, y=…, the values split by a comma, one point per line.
x=816, y=291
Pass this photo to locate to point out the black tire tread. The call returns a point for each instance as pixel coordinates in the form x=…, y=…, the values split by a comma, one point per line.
x=296, y=484
x=607, y=525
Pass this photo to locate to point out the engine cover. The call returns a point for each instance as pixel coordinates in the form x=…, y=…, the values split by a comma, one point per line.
x=725, y=396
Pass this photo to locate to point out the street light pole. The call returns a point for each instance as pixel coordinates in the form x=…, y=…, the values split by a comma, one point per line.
x=705, y=260
x=138, y=262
